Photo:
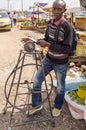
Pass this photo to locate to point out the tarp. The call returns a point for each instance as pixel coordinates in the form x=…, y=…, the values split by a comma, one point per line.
x=37, y=10
x=74, y=6
x=48, y=6
x=42, y=4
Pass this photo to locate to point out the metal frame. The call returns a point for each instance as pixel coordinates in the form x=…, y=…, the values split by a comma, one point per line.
x=19, y=67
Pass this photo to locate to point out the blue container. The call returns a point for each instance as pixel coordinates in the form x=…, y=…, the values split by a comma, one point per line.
x=72, y=84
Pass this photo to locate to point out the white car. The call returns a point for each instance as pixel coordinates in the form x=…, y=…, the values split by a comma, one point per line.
x=5, y=21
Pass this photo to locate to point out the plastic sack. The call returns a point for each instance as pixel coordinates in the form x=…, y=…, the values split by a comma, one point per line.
x=85, y=111
x=76, y=110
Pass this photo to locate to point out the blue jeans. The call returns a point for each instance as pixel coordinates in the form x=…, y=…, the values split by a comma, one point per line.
x=60, y=71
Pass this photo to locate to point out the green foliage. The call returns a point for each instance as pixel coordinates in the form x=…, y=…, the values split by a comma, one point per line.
x=82, y=86
x=43, y=22
x=26, y=23
x=74, y=97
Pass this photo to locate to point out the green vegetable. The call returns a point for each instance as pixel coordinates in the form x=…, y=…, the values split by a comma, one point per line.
x=82, y=86
x=74, y=97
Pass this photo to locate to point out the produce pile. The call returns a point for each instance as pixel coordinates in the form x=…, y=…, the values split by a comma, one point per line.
x=81, y=48
x=75, y=96
x=78, y=68
x=82, y=86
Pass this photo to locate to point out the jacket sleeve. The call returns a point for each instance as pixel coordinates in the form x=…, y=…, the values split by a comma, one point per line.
x=68, y=39
x=46, y=37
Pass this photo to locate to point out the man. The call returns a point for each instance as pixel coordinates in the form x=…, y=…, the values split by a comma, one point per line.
x=59, y=41
x=14, y=17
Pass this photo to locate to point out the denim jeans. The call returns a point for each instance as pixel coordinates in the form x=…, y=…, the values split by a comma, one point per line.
x=60, y=71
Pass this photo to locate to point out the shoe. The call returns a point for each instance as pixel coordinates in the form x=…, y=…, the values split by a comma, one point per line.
x=56, y=112
x=34, y=110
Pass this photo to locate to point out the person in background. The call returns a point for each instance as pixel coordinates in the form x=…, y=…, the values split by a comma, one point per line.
x=59, y=42
x=14, y=17
x=10, y=16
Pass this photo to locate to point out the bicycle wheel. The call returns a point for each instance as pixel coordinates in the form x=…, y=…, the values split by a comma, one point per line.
x=22, y=90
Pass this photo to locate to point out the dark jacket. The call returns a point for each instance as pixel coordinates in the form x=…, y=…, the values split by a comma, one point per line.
x=60, y=37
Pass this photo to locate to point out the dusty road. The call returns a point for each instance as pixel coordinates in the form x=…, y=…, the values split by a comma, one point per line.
x=10, y=46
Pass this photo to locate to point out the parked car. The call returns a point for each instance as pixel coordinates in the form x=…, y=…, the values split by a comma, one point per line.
x=5, y=21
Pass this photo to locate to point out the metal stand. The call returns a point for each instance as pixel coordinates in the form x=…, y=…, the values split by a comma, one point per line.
x=19, y=87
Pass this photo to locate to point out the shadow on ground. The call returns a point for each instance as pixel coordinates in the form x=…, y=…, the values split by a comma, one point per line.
x=21, y=122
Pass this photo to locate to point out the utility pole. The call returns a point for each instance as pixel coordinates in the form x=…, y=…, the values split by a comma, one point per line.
x=8, y=4
x=22, y=6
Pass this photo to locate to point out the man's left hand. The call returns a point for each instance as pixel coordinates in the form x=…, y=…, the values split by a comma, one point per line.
x=43, y=43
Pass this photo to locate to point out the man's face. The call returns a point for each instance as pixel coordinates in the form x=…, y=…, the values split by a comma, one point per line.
x=57, y=10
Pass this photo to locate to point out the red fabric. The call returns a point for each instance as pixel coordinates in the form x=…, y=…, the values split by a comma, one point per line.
x=57, y=22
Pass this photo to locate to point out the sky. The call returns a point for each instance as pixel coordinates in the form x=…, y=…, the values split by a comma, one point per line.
x=17, y=4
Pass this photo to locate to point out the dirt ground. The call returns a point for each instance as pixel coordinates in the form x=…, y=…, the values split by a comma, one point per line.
x=10, y=46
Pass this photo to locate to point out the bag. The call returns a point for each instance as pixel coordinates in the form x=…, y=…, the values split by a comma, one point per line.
x=74, y=41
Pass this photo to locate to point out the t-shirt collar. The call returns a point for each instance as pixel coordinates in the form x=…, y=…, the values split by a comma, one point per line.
x=57, y=22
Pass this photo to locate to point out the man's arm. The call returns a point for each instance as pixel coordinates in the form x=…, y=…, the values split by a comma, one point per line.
x=67, y=43
x=43, y=43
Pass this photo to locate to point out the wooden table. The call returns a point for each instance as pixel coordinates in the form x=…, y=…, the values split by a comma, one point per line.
x=77, y=59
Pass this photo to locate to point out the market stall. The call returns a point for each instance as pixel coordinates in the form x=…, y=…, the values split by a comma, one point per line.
x=75, y=94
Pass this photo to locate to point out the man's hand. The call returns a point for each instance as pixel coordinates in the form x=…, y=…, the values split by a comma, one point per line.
x=24, y=40
x=43, y=43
